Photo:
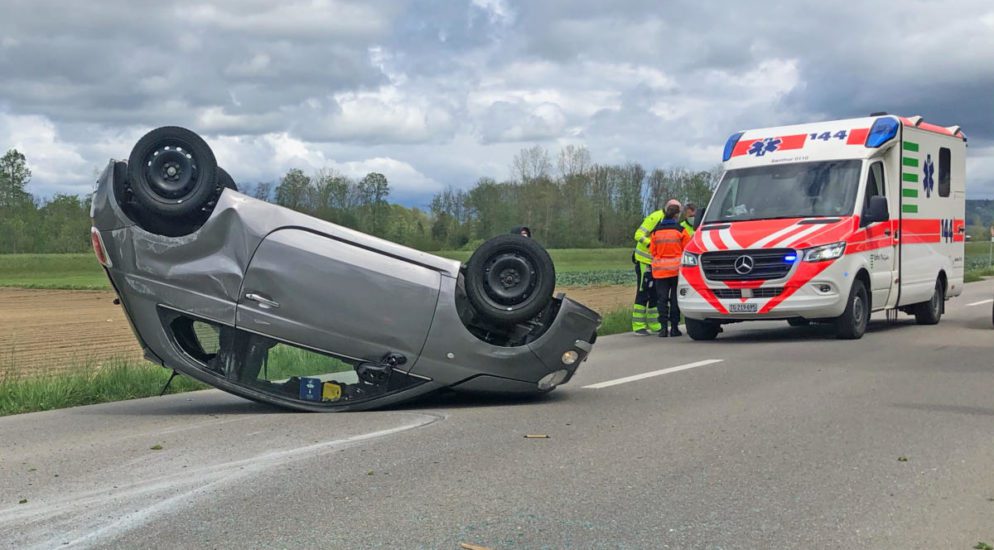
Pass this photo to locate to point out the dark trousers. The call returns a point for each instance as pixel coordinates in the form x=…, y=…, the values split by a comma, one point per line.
x=666, y=301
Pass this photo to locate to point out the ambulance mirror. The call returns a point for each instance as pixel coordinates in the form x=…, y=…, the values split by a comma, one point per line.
x=698, y=216
x=876, y=211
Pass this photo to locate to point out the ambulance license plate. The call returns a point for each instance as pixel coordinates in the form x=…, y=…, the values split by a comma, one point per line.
x=743, y=308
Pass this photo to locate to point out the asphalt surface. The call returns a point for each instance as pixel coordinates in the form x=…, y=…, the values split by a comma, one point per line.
x=769, y=437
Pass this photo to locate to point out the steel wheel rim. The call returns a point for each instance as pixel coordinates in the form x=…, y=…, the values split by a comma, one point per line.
x=509, y=278
x=171, y=172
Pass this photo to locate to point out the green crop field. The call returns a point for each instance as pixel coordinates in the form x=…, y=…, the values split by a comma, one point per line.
x=574, y=267
x=62, y=271
x=82, y=272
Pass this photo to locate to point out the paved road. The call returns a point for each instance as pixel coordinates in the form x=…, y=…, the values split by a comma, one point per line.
x=788, y=439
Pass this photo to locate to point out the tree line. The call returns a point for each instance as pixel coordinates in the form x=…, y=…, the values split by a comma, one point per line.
x=567, y=201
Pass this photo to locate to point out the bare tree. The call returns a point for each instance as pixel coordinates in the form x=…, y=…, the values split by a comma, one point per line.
x=573, y=161
x=263, y=190
x=531, y=164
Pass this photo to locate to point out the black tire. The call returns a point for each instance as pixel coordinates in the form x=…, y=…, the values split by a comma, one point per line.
x=510, y=279
x=702, y=330
x=798, y=322
x=172, y=172
x=851, y=325
x=225, y=181
x=929, y=313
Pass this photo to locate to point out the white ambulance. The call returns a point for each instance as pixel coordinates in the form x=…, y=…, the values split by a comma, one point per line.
x=828, y=222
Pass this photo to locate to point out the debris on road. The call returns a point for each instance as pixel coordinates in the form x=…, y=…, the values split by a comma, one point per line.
x=156, y=447
x=23, y=501
x=468, y=546
x=536, y=436
x=902, y=459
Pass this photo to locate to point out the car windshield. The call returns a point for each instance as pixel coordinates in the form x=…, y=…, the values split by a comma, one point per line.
x=796, y=190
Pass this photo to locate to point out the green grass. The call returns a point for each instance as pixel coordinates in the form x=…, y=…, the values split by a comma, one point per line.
x=616, y=321
x=86, y=384
x=286, y=361
x=55, y=271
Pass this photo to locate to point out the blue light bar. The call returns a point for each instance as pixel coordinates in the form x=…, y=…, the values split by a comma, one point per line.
x=730, y=145
x=882, y=131
x=790, y=258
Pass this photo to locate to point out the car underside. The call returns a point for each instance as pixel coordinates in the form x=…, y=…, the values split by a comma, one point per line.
x=280, y=307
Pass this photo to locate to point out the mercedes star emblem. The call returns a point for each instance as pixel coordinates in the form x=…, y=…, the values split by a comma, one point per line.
x=744, y=265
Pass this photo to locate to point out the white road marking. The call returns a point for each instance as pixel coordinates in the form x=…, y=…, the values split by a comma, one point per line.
x=645, y=375
x=980, y=303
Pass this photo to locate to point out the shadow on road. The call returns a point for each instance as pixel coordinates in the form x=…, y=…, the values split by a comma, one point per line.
x=813, y=332
x=187, y=404
x=450, y=399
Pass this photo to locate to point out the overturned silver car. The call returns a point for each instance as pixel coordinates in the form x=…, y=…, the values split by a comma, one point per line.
x=279, y=307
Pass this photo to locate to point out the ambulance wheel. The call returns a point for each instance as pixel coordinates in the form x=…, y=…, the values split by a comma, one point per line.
x=702, y=330
x=929, y=313
x=172, y=172
x=510, y=279
x=852, y=324
x=798, y=322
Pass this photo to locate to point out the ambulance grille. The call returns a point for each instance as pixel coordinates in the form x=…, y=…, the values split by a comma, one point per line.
x=767, y=264
x=733, y=293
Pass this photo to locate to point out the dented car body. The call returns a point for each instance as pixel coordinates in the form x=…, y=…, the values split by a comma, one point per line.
x=283, y=308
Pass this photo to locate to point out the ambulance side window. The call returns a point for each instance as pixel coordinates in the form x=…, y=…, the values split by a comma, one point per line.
x=874, y=183
x=945, y=167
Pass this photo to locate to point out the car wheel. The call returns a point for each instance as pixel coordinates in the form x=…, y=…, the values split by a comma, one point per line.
x=798, y=322
x=702, y=330
x=929, y=313
x=851, y=325
x=510, y=279
x=172, y=172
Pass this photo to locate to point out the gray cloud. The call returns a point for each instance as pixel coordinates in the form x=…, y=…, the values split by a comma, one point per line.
x=439, y=94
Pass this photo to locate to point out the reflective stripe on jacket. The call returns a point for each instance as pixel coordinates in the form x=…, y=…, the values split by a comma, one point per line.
x=666, y=246
x=688, y=227
x=642, y=240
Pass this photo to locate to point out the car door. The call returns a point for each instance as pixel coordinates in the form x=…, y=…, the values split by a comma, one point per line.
x=880, y=240
x=330, y=295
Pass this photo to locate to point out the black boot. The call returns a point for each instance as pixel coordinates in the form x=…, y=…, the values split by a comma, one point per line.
x=675, y=331
x=662, y=331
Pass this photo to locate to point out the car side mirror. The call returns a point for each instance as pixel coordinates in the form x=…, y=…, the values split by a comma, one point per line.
x=876, y=211
x=698, y=216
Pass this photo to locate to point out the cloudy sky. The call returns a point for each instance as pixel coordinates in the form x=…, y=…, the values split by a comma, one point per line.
x=439, y=93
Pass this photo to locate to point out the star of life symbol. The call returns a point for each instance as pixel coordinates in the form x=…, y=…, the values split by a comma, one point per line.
x=764, y=146
x=928, y=182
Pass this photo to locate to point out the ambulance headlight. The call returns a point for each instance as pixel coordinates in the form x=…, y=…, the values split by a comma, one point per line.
x=826, y=252
x=689, y=260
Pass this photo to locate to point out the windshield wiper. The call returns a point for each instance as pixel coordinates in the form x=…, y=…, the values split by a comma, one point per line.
x=726, y=220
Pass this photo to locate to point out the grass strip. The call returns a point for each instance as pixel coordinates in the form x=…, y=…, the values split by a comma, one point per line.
x=115, y=380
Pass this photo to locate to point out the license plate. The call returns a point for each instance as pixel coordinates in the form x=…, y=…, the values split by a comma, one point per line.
x=743, y=308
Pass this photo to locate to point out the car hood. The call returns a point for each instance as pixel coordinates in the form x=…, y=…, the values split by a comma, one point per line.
x=779, y=233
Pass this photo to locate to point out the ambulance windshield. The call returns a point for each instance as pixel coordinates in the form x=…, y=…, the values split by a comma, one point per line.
x=796, y=190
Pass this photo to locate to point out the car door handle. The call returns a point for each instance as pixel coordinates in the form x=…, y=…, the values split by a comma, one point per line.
x=264, y=302
x=887, y=232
